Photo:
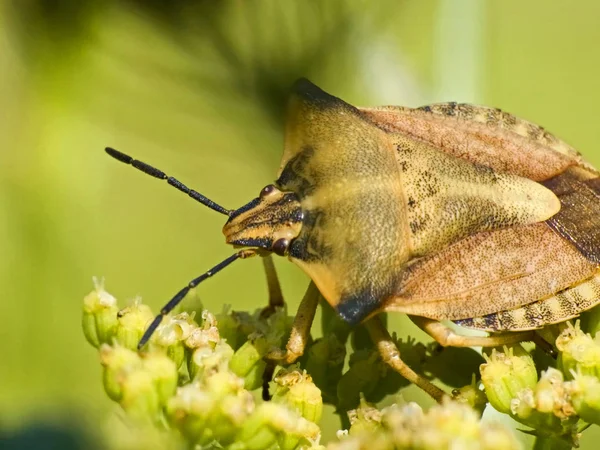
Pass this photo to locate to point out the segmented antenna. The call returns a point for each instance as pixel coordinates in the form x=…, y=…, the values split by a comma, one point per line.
x=191, y=285
x=156, y=173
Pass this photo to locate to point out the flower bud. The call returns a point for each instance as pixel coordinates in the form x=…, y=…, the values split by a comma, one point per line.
x=505, y=374
x=248, y=358
x=132, y=323
x=140, y=397
x=364, y=420
x=188, y=411
x=449, y=425
x=578, y=352
x=99, y=319
x=164, y=373
x=172, y=334
x=210, y=409
x=273, y=423
x=546, y=407
x=296, y=389
x=117, y=362
x=584, y=391
x=205, y=360
x=472, y=396
x=223, y=383
x=229, y=328
x=204, y=335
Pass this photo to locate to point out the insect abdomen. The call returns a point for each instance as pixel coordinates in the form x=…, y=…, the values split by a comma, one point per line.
x=578, y=222
x=560, y=307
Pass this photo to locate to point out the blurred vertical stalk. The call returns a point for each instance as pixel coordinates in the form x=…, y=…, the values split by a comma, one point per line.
x=459, y=51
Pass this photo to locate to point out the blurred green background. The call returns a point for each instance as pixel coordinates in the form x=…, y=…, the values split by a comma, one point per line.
x=198, y=89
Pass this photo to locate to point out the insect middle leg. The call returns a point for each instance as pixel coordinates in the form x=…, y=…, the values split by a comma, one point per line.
x=391, y=355
x=300, y=332
x=446, y=337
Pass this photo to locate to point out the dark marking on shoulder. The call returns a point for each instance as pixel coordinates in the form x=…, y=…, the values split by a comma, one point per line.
x=411, y=202
x=425, y=108
x=316, y=96
x=354, y=308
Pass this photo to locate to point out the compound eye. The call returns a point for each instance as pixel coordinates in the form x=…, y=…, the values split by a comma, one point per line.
x=267, y=190
x=280, y=246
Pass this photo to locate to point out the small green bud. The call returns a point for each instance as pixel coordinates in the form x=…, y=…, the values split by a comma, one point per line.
x=578, y=352
x=249, y=355
x=212, y=408
x=472, y=396
x=188, y=411
x=229, y=328
x=254, y=378
x=140, y=397
x=99, y=319
x=133, y=321
x=296, y=389
x=273, y=423
x=224, y=383
x=117, y=362
x=505, y=374
x=164, y=373
x=584, y=391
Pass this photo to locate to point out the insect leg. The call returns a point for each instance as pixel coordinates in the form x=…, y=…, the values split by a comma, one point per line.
x=275, y=295
x=391, y=355
x=448, y=338
x=300, y=328
x=275, y=301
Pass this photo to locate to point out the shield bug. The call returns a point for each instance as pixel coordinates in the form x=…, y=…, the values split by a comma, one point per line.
x=445, y=212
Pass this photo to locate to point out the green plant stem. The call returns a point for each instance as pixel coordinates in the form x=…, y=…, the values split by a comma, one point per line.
x=550, y=443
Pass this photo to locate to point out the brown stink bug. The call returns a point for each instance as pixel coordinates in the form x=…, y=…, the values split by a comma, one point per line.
x=444, y=212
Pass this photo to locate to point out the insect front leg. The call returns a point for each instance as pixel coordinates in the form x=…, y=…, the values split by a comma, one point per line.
x=446, y=337
x=300, y=332
x=275, y=294
x=391, y=355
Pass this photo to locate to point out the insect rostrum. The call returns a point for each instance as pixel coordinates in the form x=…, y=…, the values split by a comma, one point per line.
x=445, y=212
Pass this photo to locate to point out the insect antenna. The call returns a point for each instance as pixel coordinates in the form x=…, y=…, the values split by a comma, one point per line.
x=156, y=173
x=246, y=253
